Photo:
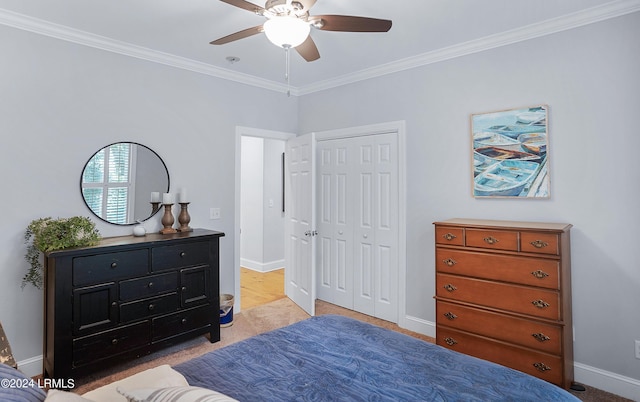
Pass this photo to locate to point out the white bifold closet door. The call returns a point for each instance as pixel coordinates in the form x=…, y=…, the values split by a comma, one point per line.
x=357, y=221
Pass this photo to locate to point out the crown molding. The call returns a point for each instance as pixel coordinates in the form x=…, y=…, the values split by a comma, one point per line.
x=570, y=21
x=46, y=28
x=588, y=16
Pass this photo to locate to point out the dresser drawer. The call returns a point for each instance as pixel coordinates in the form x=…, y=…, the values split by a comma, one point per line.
x=519, y=299
x=181, y=322
x=449, y=235
x=109, y=267
x=543, y=243
x=528, y=333
x=179, y=256
x=141, y=309
x=506, y=268
x=492, y=239
x=89, y=349
x=148, y=286
x=538, y=364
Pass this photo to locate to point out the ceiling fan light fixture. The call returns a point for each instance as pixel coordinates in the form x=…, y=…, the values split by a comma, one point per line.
x=286, y=31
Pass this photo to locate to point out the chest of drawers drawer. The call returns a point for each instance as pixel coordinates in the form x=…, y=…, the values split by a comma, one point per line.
x=542, y=365
x=518, y=299
x=492, y=239
x=140, y=309
x=148, y=286
x=507, y=268
x=179, y=256
x=528, y=333
x=93, y=348
x=107, y=267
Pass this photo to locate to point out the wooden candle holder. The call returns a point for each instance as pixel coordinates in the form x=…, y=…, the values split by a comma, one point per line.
x=167, y=220
x=184, y=218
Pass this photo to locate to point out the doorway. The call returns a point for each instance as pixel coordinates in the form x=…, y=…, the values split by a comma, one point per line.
x=259, y=236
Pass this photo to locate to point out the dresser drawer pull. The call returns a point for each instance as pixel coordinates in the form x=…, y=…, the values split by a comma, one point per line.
x=449, y=287
x=490, y=240
x=540, y=274
x=450, y=262
x=541, y=337
x=450, y=315
x=182, y=254
x=539, y=244
x=114, y=304
x=114, y=341
x=450, y=341
x=540, y=303
x=150, y=285
x=449, y=236
x=151, y=307
x=114, y=265
x=184, y=321
x=541, y=367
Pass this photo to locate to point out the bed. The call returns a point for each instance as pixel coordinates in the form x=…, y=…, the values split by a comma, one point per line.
x=332, y=358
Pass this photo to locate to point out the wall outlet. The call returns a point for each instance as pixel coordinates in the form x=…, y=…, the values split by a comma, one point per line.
x=214, y=213
x=637, y=349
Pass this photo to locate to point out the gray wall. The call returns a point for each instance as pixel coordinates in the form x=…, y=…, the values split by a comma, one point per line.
x=61, y=102
x=589, y=78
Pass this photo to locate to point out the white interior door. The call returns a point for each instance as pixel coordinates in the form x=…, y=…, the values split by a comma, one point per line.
x=300, y=276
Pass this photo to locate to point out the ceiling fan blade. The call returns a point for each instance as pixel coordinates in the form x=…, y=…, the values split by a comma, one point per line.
x=245, y=5
x=347, y=23
x=308, y=50
x=238, y=35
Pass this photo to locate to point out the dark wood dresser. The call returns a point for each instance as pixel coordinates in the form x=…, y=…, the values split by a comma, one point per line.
x=126, y=297
x=503, y=293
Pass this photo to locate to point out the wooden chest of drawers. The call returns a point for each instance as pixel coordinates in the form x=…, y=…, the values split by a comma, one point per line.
x=503, y=293
x=126, y=297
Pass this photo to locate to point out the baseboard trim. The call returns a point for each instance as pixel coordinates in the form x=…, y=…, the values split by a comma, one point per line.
x=607, y=381
x=418, y=325
x=31, y=366
x=261, y=266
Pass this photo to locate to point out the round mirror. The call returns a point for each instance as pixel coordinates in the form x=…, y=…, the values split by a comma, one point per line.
x=119, y=182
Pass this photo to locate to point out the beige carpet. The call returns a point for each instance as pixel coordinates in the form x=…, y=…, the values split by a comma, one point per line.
x=254, y=321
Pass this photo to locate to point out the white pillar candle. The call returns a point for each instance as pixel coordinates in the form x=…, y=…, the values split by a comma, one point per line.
x=155, y=196
x=167, y=198
x=183, y=195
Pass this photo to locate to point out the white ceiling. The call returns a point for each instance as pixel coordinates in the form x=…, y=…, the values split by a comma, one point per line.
x=423, y=31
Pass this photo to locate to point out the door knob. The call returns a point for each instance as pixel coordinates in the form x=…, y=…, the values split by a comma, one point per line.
x=365, y=235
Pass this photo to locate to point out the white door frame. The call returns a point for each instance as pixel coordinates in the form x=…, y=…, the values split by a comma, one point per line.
x=245, y=132
x=399, y=128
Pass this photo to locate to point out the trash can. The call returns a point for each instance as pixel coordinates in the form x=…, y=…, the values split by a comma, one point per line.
x=226, y=310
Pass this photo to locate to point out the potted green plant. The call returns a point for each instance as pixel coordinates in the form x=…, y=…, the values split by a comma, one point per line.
x=48, y=234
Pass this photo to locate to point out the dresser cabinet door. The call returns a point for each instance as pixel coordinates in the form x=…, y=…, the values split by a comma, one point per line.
x=95, y=308
x=196, y=286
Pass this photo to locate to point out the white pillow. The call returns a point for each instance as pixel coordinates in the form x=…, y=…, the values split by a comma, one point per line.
x=55, y=395
x=161, y=376
x=175, y=394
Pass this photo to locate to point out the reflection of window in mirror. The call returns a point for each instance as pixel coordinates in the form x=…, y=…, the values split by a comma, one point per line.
x=109, y=172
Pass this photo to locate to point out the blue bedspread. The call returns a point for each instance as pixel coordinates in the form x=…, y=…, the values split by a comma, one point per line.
x=334, y=358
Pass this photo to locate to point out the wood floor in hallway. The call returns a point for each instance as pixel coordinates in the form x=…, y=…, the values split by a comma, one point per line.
x=257, y=288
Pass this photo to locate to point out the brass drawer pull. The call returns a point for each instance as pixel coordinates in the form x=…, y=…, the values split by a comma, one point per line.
x=449, y=287
x=541, y=337
x=541, y=367
x=450, y=262
x=450, y=341
x=540, y=274
x=449, y=236
x=540, y=303
x=539, y=244
x=450, y=315
x=490, y=240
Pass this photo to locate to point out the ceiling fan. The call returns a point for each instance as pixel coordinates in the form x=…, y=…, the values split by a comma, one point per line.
x=289, y=23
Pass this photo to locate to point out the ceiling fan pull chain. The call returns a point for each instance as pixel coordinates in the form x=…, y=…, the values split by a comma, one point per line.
x=286, y=70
